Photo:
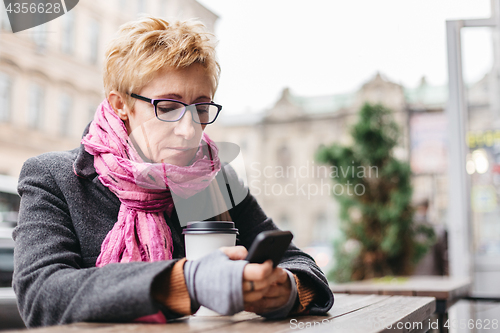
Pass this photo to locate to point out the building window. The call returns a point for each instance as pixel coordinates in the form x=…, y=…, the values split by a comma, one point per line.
x=68, y=33
x=94, y=31
x=5, y=96
x=284, y=160
x=35, y=109
x=284, y=156
x=65, y=114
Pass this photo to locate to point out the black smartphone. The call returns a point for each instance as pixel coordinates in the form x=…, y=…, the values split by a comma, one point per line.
x=270, y=244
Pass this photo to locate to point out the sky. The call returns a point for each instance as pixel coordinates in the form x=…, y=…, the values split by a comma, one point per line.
x=321, y=47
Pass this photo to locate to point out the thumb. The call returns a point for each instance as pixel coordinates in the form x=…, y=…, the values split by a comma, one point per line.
x=235, y=252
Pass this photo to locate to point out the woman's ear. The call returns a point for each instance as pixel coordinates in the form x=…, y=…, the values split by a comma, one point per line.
x=118, y=104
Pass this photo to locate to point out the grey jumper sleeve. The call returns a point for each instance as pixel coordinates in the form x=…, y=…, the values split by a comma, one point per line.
x=50, y=282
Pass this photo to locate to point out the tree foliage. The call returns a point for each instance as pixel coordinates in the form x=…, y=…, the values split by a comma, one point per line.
x=378, y=234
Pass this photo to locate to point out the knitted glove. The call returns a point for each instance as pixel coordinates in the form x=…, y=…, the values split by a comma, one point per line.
x=216, y=282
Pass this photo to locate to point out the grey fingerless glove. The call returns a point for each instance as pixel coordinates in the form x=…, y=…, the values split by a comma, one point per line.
x=216, y=282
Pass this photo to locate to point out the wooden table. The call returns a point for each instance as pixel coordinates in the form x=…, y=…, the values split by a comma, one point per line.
x=349, y=314
x=446, y=290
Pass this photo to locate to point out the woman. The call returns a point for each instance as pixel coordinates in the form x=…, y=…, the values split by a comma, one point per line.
x=99, y=238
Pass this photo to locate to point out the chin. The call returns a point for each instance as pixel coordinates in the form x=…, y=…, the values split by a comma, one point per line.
x=176, y=159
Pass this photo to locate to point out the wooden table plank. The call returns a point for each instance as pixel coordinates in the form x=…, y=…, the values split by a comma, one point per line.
x=347, y=312
x=441, y=287
x=377, y=317
x=342, y=306
x=184, y=324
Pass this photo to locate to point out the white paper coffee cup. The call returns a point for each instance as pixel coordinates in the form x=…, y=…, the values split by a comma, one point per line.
x=203, y=237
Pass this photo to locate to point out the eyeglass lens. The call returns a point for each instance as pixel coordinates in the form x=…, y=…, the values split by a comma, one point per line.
x=172, y=111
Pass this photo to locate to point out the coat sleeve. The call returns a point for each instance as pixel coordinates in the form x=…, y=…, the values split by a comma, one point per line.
x=49, y=281
x=250, y=220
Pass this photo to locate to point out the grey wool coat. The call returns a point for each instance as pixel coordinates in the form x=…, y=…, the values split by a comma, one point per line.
x=66, y=213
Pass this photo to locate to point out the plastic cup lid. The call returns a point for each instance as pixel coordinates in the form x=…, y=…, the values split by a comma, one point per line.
x=210, y=227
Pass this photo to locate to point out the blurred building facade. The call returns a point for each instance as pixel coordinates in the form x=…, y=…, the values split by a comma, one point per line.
x=51, y=75
x=286, y=136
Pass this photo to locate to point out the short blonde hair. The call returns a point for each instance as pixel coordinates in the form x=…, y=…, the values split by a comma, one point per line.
x=144, y=46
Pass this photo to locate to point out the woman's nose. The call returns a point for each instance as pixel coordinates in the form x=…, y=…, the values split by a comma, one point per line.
x=185, y=127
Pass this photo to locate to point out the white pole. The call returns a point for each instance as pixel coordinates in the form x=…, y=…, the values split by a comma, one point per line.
x=459, y=248
x=494, y=91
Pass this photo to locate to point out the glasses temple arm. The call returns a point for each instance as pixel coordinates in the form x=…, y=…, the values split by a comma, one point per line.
x=142, y=98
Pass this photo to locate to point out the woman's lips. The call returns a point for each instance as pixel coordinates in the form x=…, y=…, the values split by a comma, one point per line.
x=181, y=148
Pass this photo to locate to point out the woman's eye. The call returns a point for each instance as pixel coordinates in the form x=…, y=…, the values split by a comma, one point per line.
x=165, y=110
x=168, y=107
x=202, y=108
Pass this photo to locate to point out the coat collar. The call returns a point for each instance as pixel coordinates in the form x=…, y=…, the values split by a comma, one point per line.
x=84, y=163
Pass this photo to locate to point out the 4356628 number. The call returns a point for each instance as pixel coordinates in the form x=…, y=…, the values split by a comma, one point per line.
x=27, y=7
x=485, y=324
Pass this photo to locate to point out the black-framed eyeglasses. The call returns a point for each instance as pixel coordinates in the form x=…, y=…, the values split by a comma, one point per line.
x=171, y=110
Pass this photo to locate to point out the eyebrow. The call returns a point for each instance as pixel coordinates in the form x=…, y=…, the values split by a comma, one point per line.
x=179, y=97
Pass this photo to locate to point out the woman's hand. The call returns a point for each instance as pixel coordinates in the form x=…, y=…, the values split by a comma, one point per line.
x=271, y=287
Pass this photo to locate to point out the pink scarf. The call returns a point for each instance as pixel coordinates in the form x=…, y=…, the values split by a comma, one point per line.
x=141, y=232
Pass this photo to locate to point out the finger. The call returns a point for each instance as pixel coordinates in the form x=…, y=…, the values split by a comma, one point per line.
x=275, y=291
x=253, y=296
x=272, y=303
x=249, y=307
x=283, y=276
x=252, y=306
x=257, y=285
x=258, y=271
x=265, y=304
x=274, y=278
x=235, y=252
